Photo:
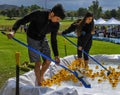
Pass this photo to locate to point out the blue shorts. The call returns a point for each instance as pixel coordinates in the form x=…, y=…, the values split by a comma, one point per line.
x=41, y=46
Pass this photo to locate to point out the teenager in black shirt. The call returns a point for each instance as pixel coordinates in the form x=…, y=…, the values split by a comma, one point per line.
x=84, y=29
x=40, y=24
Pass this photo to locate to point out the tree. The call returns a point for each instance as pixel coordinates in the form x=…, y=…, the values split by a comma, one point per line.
x=34, y=7
x=15, y=12
x=71, y=14
x=118, y=13
x=81, y=12
x=95, y=9
x=107, y=14
x=9, y=14
x=23, y=11
x=3, y=12
x=113, y=13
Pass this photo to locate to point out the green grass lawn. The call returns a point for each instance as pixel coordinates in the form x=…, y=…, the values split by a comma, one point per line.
x=8, y=48
x=5, y=21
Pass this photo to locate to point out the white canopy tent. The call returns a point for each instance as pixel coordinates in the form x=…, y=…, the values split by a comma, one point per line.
x=100, y=21
x=112, y=21
x=94, y=20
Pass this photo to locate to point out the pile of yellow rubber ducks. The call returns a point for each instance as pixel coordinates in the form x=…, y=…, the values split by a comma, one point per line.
x=64, y=75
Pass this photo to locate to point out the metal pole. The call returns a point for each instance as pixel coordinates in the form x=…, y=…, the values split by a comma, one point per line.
x=17, y=56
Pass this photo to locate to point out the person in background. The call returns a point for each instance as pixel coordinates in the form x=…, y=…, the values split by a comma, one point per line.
x=40, y=24
x=84, y=29
x=21, y=28
x=25, y=28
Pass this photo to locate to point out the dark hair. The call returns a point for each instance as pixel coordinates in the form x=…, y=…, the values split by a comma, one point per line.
x=88, y=14
x=58, y=11
x=82, y=23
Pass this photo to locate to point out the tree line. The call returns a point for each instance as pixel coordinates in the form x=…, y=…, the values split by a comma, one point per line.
x=19, y=12
x=95, y=8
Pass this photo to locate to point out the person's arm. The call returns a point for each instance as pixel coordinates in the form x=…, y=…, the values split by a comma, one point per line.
x=24, y=20
x=54, y=45
x=70, y=29
x=54, y=39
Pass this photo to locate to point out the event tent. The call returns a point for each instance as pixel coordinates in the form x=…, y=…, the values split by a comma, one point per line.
x=100, y=21
x=112, y=21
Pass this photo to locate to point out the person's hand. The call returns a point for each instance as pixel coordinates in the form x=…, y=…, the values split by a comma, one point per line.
x=93, y=32
x=57, y=59
x=79, y=48
x=11, y=35
x=59, y=33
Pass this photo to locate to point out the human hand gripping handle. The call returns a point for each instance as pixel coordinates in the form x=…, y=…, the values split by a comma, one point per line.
x=59, y=33
x=80, y=48
x=10, y=35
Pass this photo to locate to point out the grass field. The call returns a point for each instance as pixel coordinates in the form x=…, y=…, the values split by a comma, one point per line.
x=8, y=48
x=5, y=21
